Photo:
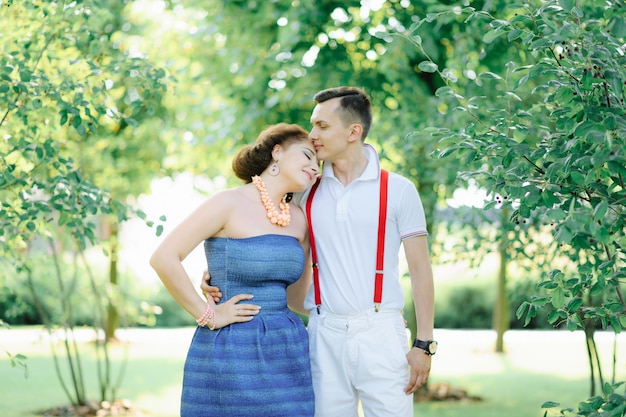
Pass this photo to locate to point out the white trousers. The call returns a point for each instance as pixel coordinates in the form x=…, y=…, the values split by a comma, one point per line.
x=359, y=357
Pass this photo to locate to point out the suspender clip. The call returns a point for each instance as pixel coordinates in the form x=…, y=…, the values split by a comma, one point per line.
x=319, y=306
x=377, y=307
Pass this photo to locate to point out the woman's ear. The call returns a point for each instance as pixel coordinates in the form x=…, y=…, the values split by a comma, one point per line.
x=276, y=151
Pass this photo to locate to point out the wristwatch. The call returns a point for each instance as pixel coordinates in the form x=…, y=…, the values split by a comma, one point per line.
x=428, y=346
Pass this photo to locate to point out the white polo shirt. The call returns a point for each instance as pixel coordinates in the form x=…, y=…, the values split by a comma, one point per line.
x=345, y=224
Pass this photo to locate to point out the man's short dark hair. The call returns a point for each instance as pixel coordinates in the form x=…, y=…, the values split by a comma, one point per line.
x=355, y=105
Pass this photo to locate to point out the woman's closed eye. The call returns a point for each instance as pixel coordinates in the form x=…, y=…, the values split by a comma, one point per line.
x=309, y=154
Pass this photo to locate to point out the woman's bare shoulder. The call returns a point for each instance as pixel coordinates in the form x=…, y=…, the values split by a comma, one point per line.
x=226, y=197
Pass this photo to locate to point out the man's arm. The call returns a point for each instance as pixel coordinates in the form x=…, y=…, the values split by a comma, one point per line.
x=420, y=271
x=208, y=290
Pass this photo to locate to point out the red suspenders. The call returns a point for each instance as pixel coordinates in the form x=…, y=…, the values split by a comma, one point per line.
x=316, y=277
x=380, y=253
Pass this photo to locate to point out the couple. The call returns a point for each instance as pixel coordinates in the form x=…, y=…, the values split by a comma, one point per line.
x=257, y=246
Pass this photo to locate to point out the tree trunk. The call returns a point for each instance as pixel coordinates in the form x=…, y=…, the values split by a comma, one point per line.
x=111, y=322
x=501, y=308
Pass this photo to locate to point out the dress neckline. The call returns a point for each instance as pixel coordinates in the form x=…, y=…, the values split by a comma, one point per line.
x=265, y=235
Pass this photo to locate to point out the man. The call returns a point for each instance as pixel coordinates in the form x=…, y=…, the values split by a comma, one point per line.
x=358, y=343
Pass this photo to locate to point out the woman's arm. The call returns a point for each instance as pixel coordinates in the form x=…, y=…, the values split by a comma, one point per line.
x=204, y=222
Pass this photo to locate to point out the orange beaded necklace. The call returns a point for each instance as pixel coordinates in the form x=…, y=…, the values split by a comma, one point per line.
x=280, y=219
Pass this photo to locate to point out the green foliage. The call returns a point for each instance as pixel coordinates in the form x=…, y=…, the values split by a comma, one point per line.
x=545, y=134
x=76, y=101
x=169, y=312
x=611, y=403
x=62, y=70
x=18, y=306
x=466, y=302
x=465, y=306
x=17, y=360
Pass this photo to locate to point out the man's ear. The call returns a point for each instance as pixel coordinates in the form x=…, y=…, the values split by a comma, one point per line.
x=356, y=132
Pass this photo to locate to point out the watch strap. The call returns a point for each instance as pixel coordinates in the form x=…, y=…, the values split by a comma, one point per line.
x=424, y=345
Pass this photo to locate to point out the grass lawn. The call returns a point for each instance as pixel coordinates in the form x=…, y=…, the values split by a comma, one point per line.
x=538, y=366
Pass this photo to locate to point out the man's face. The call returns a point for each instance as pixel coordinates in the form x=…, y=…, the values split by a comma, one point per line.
x=329, y=134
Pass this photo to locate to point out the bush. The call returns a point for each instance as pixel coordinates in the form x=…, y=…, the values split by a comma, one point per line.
x=520, y=291
x=466, y=306
x=170, y=314
x=17, y=306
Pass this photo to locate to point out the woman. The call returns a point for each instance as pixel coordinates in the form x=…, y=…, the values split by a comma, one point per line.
x=248, y=359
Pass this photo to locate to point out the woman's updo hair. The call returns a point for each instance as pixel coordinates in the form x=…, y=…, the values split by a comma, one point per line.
x=252, y=160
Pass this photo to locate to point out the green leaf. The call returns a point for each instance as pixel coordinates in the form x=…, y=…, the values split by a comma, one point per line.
x=558, y=297
x=571, y=325
x=574, y=304
x=521, y=310
x=448, y=74
x=550, y=404
x=615, y=324
x=513, y=95
x=447, y=151
x=444, y=91
x=563, y=234
x=541, y=43
x=530, y=315
x=577, y=178
x=567, y=5
x=488, y=74
x=556, y=214
x=25, y=76
x=76, y=121
x=600, y=210
x=427, y=66
x=63, y=118
x=514, y=34
x=492, y=35
x=553, y=316
x=81, y=129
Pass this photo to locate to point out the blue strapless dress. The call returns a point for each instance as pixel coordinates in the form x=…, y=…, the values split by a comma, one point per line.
x=260, y=368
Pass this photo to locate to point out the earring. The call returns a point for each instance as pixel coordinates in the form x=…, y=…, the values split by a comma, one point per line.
x=274, y=170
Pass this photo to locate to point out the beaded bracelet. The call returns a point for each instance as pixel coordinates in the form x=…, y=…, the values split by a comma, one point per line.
x=207, y=317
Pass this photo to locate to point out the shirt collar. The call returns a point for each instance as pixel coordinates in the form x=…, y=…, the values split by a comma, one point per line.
x=372, y=170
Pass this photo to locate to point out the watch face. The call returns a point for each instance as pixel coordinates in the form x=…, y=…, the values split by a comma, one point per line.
x=432, y=347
